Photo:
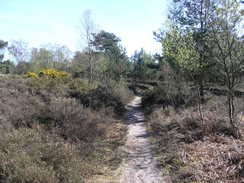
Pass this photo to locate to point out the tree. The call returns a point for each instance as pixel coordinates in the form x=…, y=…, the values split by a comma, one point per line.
x=23, y=67
x=19, y=49
x=61, y=56
x=7, y=67
x=203, y=37
x=194, y=18
x=181, y=54
x=186, y=45
x=79, y=65
x=138, y=61
x=51, y=56
x=229, y=51
x=3, y=44
x=108, y=44
x=41, y=59
x=142, y=61
x=88, y=29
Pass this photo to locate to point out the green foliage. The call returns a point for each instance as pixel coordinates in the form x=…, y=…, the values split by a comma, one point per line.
x=141, y=71
x=121, y=91
x=169, y=93
x=229, y=51
x=50, y=57
x=3, y=44
x=180, y=49
x=202, y=44
x=7, y=67
x=108, y=43
x=81, y=86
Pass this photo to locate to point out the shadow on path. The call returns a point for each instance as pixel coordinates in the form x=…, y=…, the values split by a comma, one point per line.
x=139, y=166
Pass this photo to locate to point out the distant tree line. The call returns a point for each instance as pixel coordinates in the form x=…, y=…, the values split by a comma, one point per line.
x=103, y=58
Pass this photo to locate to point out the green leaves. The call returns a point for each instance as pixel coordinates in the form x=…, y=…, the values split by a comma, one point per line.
x=108, y=44
x=181, y=50
x=3, y=44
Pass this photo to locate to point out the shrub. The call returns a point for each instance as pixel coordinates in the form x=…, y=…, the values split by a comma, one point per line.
x=29, y=155
x=76, y=122
x=121, y=91
x=81, y=86
x=167, y=96
x=31, y=75
x=18, y=107
x=99, y=98
x=52, y=73
x=56, y=127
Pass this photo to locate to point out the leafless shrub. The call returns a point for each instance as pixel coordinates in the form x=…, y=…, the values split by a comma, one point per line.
x=17, y=106
x=190, y=151
x=215, y=159
x=75, y=122
x=34, y=156
x=43, y=128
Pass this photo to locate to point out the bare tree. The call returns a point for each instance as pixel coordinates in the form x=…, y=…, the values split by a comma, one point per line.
x=19, y=49
x=229, y=52
x=88, y=29
x=61, y=56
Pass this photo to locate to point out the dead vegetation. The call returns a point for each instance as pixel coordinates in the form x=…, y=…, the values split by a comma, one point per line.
x=215, y=159
x=48, y=134
x=31, y=155
x=191, y=151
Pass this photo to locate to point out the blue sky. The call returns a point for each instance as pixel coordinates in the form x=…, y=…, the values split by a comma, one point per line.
x=58, y=21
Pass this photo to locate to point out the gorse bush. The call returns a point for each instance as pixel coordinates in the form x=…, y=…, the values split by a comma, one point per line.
x=49, y=73
x=31, y=75
x=52, y=73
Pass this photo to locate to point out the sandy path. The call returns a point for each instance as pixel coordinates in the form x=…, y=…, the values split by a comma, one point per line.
x=140, y=166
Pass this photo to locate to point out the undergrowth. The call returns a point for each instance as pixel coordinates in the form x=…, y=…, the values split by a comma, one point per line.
x=191, y=151
x=58, y=129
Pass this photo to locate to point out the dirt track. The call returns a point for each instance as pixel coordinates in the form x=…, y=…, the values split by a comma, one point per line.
x=140, y=166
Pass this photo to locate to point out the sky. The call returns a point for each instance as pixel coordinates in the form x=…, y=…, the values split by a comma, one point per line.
x=39, y=22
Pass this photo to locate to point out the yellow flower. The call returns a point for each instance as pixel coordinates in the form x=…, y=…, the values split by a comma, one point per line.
x=52, y=73
x=31, y=75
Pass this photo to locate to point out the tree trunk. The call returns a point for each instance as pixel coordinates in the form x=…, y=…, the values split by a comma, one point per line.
x=201, y=92
x=231, y=112
x=200, y=111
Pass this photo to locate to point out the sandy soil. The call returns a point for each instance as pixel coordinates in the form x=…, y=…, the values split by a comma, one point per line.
x=139, y=166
